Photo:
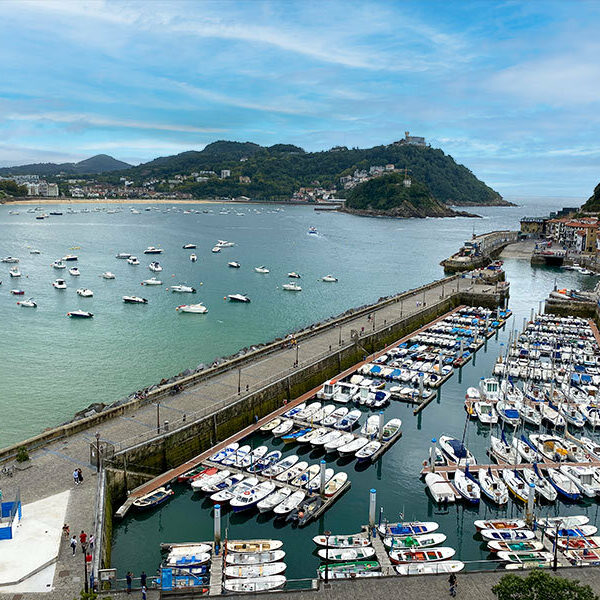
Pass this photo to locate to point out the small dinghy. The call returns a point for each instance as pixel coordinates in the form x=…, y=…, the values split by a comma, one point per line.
x=570, y=521
x=346, y=554
x=254, y=584
x=446, y=566
x=367, y=451
x=572, y=532
x=493, y=487
x=527, y=546
x=271, y=501
x=348, y=422
x=255, y=571
x=253, y=457
x=509, y=535
x=295, y=410
x=253, y=545
x=264, y=463
x=283, y=428
x=336, y=443
x=407, y=529
x=335, y=484
x=439, y=488
x=314, y=484
x=352, y=540
x=281, y=466
x=290, y=503
x=250, y=498
x=272, y=424
x=579, y=543
x=500, y=524
x=417, y=541
x=305, y=512
x=331, y=419
x=304, y=478
x=390, y=429
x=290, y=474
x=421, y=556
x=467, y=487
x=227, y=494
x=538, y=557
x=154, y=498
x=206, y=483
x=234, y=459
x=224, y=453
x=353, y=447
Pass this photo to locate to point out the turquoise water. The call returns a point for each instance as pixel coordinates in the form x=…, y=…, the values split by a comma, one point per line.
x=52, y=366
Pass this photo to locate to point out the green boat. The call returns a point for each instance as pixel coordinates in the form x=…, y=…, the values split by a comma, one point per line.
x=355, y=566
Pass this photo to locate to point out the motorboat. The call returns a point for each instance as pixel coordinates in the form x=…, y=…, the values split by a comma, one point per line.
x=252, y=457
x=346, y=554
x=331, y=419
x=205, y=484
x=368, y=451
x=216, y=250
x=133, y=260
x=293, y=472
x=439, y=488
x=17, y=292
x=334, y=444
x=500, y=524
x=370, y=427
x=572, y=532
x=294, y=275
x=261, y=269
x=123, y=255
x=518, y=546
x=308, y=413
x=193, y=257
x=33, y=251
x=312, y=231
x=59, y=284
x=407, y=529
x=254, y=558
x=134, y=300
x=85, y=293
x=579, y=543
x=222, y=483
x=235, y=458
x=353, y=446
x=80, y=314
x=250, y=498
x=284, y=428
x=9, y=259
x=183, y=289
x=456, y=451
x=427, y=555
x=325, y=437
x=329, y=279
x=551, y=447
x=29, y=303
x=267, y=461
x=509, y=535
x=277, y=497
x=485, y=412
x=417, y=541
x=74, y=271
x=314, y=485
x=493, y=487
x=291, y=287
x=335, y=484
x=154, y=498
x=108, y=275
x=189, y=246
x=58, y=264
x=69, y=257
x=508, y=413
x=467, y=487
x=155, y=267
x=238, y=298
x=253, y=585
x=224, y=453
x=281, y=466
x=591, y=414
x=298, y=408
x=584, y=478
x=224, y=244
x=390, y=429
x=14, y=272
x=570, y=521
x=245, y=572
x=153, y=250
x=352, y=540
x=536, y=559
x=234, y=264
x=152, y=281
x=349, y=421
x=304, y=478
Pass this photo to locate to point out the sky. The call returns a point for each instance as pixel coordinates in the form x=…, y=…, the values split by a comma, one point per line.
x=509, y=89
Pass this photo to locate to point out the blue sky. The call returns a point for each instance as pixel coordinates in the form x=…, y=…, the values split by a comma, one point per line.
x=510, y=89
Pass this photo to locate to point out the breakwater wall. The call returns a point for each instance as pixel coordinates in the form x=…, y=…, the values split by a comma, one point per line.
x=479, y=251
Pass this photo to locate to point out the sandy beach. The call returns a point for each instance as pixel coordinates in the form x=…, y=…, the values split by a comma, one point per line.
x=41, y=201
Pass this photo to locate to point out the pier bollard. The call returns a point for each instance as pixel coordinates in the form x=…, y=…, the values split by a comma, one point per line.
x=380, y=424
x=530, y=501
x=217, y=527
x=432, y=455
x=421, y=377
x=372, y=506
x=322, y=477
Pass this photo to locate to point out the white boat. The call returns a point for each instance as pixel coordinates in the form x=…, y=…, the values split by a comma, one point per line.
x=335, y=484
x=254, y=584
x=14, y=272
x=323, y=413
x=353, y=446
x=261, y=269
x=439, y=488
x=346, y=554
x=80, y=314
x=74, y=271
x=206, y=483
x=543, y=488
x=216, y=249
x=123, y=255
x=535, y=559
x=446, y=566
x=307, y=413
x=326, y=437
x=306, y=476
x=29, y=303
x=507, y=535
x=329, y=279
x=69, y=257
x=238, y=298
x=290, y=503
x=416, y=541
x=108, y=275
x=466, y=487
x=352, y=540
x=563, y=484
x=153, y=250
x=255, y=571
x=334, y=444
x=152, y=281
x=183, y=289
x=493, y=487
x=225, y=495
x=456, y=451
x=277, y=497
x=193, y=257
x=155, y=267
x=508, y=413
x=331, y=419
x=234, y=264
x=569, y=522
x=515, y=484
x=314, y=485
x=502, y=452
x=486, y=413
x=225, y=244
x=294, y=275
x=390, y=429
x=60, y=284
x=235, y=458
x=553, y=417
x=229, y=483
x=252, y=457
x=10, y=259
x=224, y=453
x=254, y=558
x=526, y=453
x=283, y=428
x=368, y=450
x=370, y=427
x=133, y=260
x=134, y=300
x=408, y=528
x=197, y=308
x=85, y=293
x=572, y=532
x=584, y=478
x=33, y=251
x=59, y=264
x=189, y=246
x=291, y=287
x=426, y=555
x=347, y=422
x=500, y=524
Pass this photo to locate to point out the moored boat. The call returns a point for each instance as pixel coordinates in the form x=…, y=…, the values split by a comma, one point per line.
x=345, y=554
x=416, y=541
x=425, y=555
x=154, y=498
x=252, y=545
x=254, y=558
x=254, y=584
x=80, y=314
x=407, y=528
x=446, y=566
x=255, y=571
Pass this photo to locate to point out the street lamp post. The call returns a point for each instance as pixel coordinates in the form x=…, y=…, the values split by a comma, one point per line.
x=327, y=534
x=85, y=571
x=97, y=451
x=158, y=417
x=555, y=561
x=297, y=350
x=239, y=381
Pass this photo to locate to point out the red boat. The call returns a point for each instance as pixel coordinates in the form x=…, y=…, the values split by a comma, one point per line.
x=199, y=470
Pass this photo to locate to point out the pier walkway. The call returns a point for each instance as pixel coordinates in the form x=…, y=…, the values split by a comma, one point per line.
x=52, y=464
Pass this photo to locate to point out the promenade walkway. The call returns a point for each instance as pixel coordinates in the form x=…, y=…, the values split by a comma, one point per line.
x=52, y=465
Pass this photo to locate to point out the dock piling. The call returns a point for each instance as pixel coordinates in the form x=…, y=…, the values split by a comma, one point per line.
x=530, y=501
x=322, y=476
x=421, y=383
x=432, y=455
x=372, y=507
x=217, y=527
x=380, y=424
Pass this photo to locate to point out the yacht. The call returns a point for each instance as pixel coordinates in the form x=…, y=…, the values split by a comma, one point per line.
x=34, y=251
x=133, y=260
x=108, y=275
x=261, y=269
x=69, y=257
x=10, y=259
x=29, y=303
x=59, y=264
x=198, y=308
x=183, y=289
x=216, y=249
x=74, y=271
x=151, y=281
x=234, y=265
x=85, y=293
x=134, y=300
x=312, y=231
x=329, y=278
x=155, y=267
x=291, y=287
x=80, y=314
x=193, y=257
x=17, y=292
x=60, y=284
x=224, y=244
x=14, y=272
x=123, y=255
x=294, y=275
x=153, y=250
x=238, y=298
x=189, y=246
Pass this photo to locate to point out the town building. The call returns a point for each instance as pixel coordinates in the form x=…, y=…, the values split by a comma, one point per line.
x=225, y=173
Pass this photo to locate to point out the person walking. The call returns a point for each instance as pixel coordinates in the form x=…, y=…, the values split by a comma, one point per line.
x=66, y=531
x=452, y=583
x=144, y=597
x=91, y=541
x=76, y=477
x=83, y=540
x=79, y=476
x=143, y=578
x=74, y=544
x=129, y=580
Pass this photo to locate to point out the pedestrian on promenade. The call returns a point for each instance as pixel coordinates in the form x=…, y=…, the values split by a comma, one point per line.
x=129, y=580
x=76, y=477
x=83, y=540
x=66, y=531
x=74, y=544
x=453, y=583
x=144, y=592
x=92, y=540
x=79, y=476
x=143, y=579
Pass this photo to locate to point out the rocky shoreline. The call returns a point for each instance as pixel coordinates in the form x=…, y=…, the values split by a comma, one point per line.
x=407, y=213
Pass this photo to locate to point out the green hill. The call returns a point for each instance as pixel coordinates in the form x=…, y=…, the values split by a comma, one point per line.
x=101, y=163
x=278, y=171
x=388, y=195
x=593, y=202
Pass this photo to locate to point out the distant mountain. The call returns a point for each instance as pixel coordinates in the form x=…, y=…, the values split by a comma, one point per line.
x=276, y=172
x=101, y=163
